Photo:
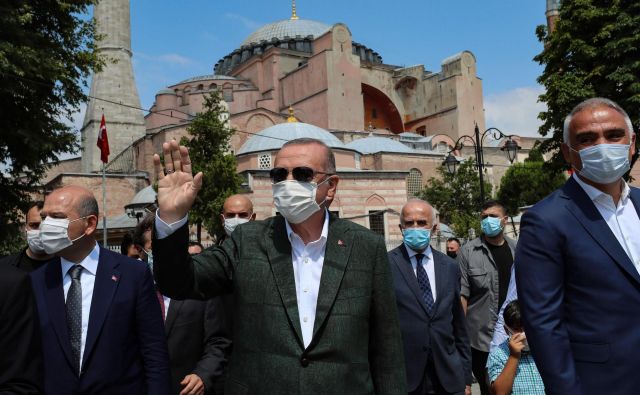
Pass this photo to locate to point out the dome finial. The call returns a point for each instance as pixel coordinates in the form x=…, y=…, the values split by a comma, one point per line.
x=291, y=118
x=293, y=10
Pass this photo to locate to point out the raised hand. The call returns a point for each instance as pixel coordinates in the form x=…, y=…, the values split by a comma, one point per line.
x=177, y=187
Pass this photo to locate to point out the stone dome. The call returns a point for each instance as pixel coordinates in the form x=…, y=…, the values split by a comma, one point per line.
x=287, y=28
x=372, y=145
x=273, y=137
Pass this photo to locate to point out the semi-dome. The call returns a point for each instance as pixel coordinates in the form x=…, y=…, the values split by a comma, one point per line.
x=372, y=145
x=287, y=28
x=273, y=137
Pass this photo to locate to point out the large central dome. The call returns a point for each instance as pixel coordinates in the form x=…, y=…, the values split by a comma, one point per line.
x=287, y=28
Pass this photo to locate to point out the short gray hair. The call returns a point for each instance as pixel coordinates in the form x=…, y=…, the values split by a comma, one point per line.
x=434, y=217
x=591, y=103
x=330, y=163
x=87, y=205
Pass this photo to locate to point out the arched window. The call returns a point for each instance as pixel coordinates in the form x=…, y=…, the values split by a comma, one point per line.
x=414, y=182
x=213, y=87
x=227, y=92
x=185, y=95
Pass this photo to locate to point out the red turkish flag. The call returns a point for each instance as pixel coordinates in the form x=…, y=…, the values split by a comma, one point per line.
x=103, y=141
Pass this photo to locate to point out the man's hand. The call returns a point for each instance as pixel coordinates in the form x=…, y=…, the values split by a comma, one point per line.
x=467, y=390
x=177, y=187
x=516, y=344
x=193, y=385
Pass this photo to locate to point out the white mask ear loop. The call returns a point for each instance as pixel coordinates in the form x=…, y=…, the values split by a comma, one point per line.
x=83, y=234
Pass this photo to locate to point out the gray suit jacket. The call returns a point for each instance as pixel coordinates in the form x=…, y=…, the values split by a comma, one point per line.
x=356, y=346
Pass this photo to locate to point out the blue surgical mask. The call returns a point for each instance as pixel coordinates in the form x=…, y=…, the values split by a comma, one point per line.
x=416, y=238
x=491, y=226
x=604, y=163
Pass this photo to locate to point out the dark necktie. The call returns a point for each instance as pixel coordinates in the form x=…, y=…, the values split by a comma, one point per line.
x=423, y=281
x=74, y=313
x=162, y=306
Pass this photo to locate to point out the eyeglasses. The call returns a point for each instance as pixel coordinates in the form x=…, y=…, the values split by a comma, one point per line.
x=420, y=222
x=300, y=174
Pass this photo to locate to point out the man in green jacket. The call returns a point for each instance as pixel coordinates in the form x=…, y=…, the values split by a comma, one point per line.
x=314, y=308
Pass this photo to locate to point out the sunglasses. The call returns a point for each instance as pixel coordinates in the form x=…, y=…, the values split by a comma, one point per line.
x=300, y=174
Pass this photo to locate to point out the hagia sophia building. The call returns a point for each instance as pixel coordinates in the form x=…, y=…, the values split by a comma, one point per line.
x=390, y=127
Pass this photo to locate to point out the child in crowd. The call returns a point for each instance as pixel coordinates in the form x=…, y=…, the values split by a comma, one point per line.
x=512, y=369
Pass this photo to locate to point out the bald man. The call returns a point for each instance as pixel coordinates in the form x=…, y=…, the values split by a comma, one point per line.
x=102, y=329
x=427, y=284
x=236, y=210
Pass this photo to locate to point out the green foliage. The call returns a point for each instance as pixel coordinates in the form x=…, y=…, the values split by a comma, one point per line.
x=457, y=197
x=209, y=152
x=527, y=183
x=46, y=54
x=12, y=240
x=594, y=51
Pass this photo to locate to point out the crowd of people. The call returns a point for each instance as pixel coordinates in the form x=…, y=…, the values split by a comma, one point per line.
x=308, y=303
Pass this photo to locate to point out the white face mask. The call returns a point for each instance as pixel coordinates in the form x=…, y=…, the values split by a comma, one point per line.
x=54, y=234
x=604, y=163
x=231, y=223
x=35, y=242
x=295, y=200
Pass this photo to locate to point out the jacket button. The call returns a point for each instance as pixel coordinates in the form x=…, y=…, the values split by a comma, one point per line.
x=304, y=362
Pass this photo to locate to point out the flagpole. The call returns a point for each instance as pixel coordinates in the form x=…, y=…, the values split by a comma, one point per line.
x=104, y=205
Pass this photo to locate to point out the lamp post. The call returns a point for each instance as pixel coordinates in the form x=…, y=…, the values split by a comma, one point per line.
x=511, y=147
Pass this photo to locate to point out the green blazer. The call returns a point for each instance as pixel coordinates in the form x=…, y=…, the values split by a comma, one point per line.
x=356, y=346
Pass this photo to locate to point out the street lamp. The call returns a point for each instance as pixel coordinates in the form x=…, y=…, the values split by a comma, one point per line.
x=511, y=147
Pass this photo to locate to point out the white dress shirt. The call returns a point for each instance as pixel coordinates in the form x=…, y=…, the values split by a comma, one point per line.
x=307, y=270
x=622, y=219
x=427, y=264
x=87, y=281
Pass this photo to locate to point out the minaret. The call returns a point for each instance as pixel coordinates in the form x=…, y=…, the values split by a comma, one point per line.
x=114, y=83
x=553, y=13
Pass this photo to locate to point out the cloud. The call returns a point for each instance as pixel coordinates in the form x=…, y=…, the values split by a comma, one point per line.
x=168, y=58
x=246, y=22
x=515, y=111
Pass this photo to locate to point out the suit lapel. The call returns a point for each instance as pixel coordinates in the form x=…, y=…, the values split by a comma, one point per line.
x=279, y=252
x=106, y=283
x=54, y=297
x=581, y=206
x=403, y=262
x=336, y=257
x=172, y=314
x=442, y=286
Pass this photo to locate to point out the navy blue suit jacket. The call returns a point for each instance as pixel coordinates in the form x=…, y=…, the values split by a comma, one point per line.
x=580, y=296
x=125, y=350
x=443, y=332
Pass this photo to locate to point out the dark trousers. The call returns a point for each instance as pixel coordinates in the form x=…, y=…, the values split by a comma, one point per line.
x=479, y=368
x=430, y=383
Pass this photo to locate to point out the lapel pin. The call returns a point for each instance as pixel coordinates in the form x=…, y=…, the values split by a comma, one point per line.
x=114, y=277
x=341, y=243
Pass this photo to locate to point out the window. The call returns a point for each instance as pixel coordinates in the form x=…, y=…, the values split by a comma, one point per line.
x=185, y=96
x=414, y=182
x=227, y=92
x=376, y=221
x=264, y=162
x=357, y=157
x=422, y=130
x=213, y=87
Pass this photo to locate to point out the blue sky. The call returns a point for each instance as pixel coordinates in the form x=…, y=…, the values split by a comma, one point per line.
x=174, y=40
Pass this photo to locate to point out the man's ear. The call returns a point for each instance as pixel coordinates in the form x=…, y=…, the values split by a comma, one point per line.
x=253, y=217
x=92, y=224
x=222, y=219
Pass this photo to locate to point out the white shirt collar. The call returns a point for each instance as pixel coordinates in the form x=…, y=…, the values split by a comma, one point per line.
x=323, y=234
x=89, y=263
x=412, y=253
x=595, y=194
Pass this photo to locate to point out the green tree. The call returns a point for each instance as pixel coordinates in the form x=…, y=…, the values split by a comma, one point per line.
x=209, y=152
x=527, y=183
x=594, y=51
x=457, y=197
x=46, y=54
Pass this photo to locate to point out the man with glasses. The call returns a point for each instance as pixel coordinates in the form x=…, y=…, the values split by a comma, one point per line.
x=432, y=322
x=485, y=263
x=314, y=305
x=100, y=320
x=236, y=210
